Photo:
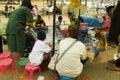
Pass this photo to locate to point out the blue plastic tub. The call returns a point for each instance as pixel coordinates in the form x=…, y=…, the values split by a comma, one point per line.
x=66, y=78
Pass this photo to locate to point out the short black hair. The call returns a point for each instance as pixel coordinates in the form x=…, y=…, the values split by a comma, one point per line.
x=109, y=8
x=41, y=35
x=80, y=18
x=69, y=13
x=39, y=16
x=60, y=17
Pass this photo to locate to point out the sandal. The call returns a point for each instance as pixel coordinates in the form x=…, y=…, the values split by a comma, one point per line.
x=112, y=61
x=113, y=68
x=112, y=45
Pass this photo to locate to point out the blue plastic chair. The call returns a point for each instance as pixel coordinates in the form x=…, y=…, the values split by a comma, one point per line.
x=66, y=78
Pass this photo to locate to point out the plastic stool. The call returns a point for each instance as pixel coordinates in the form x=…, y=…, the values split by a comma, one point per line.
x=31, y=69
x=22, y=62
x=66, y=78
x=5, y=55
x=6, y=62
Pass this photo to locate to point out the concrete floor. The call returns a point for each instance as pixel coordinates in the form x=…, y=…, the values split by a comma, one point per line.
x=95, y=70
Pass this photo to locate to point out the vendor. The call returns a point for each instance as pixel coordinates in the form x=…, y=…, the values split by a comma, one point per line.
x=60, y=22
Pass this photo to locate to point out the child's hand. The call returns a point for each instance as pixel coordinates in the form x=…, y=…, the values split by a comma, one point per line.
x=88, y=48
x=26, y=31
x=91, y=56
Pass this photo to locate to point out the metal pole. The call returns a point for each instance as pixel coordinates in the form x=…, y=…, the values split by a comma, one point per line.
x=101, y=3
x=79, y=8
x=43, y=3
x=85, y=2
x=54, y=16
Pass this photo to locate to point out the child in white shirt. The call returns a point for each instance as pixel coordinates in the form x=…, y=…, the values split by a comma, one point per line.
x=39, y=48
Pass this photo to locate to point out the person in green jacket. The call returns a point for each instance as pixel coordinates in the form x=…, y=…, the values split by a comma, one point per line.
x=15, y=31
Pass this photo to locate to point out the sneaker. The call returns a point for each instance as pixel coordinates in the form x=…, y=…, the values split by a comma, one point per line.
x=40, y=78
x=113, y=68
x=112, y=61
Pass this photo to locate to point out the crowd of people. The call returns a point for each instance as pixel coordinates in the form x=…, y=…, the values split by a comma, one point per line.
x=23, y=17
x=114, y=31
x=8, y=10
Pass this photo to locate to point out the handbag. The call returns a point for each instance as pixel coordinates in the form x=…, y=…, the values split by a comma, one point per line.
x=54, y=60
